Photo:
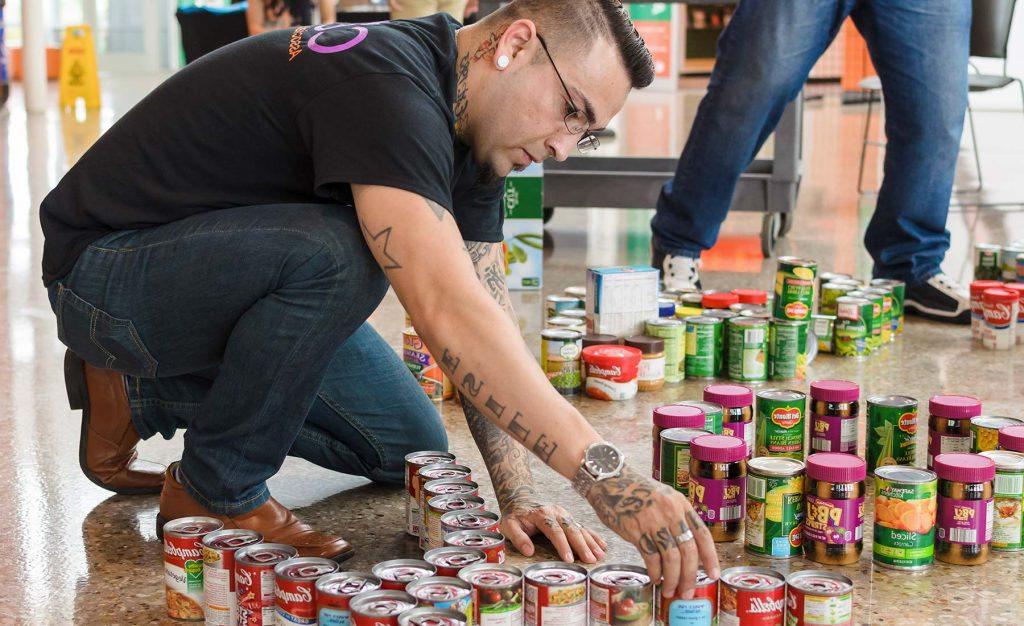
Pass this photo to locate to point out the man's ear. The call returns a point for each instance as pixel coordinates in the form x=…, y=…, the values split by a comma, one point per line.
x=518, y=37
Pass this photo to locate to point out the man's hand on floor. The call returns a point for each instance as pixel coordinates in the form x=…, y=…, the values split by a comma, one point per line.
x=523, y=520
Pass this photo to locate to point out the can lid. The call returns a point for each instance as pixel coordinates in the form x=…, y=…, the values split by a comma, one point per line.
x=784, y=395
x=561, y=334
x=835, y=390
x=1012, y=438
x=1018, y=287
x=820, y=582
x=1006, y=460
x=718, y=448
x=745, y=320
x=606, y=356
x=645, y=344
x=836, y=467
x=305, y=568
x=1000, y=294
x=751, y=296
x=963, y=467
x=666, y=322
x=719, y=300
x=979, y=286
x=679, y=416
x=904, y=474
x=893, y=401
x=954, y=407
x=712, y=408
x=778, y=466
x=683, y=435
x=886, y=282
x=729, y=396
x=347, y=583
x=600, y=340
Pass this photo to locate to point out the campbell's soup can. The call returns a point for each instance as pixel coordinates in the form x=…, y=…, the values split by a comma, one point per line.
x=701, y=610
x=752, y=596
x=380, y=608
x=819, y=598
x=296, y=588
x=437, y=471
x=254, y=582
x=413, y=463
x=450, y=560
x=429, y=616
x=470, y=520
x=497, y=594
x=183, y=565
x=555, y=594
x=219, y=548
x=621, y=594
x=335, y=591
x=437, y=506
x=394, y=575
x=430, y=528
x=444, y=592
x=491, y=544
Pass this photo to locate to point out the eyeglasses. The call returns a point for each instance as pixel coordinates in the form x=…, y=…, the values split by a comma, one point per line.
x=576, y=121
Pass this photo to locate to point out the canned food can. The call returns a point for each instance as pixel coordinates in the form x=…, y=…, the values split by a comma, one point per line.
x=497, y=594
x=892, y=431
x=413, y=463
x=673, y=331
x=704, y=342
x=985, y=431
x=978, y=288
x=560, y=356
x=621, y=594
x=754, y=596
x=830, y=292
x=254, y=581
x=819, y=598
x=335, y=591
x=296, y=587
x=722, y=351
x=987, y=262
x=885, y=326
x=450, y=560
x=219, y=585
x=429, y=616
x=899, y=294
x=444, y=592
x=853, y=326
x=555, y=305
x=470, y=520
x=555, y=594
x=748, y=349
x=380, y=608
x=437, y=471
x=701, y=610
x=577, y=291
x=490, y=543
x=1008, y=259
x=824, y=327
x=714, y=414
x=424, y=368
x=438, y=506
x=787, y=349
x=183, y=565
x=675, y=457
x=775, y=507
x=1008, y=500
x=905, y=507
x=564, y=322
x=395, y=574
x=430, y=530
x=780, y=423
x=794, y=288
x=877, y=301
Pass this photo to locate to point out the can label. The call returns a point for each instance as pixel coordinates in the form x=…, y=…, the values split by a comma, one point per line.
x=220, y=587
x=780, y=428
x=891, y=435
x=675, y=349
x=628, y=605
x=987, y=264
x=718, y=499
x=296, y=602
x=904, y=524
x=675, y=466
x=1009, y=495
x=496, y=607
x=256, y=601
x=805, y=609
x=563, y=605
x=748, y=359
x=750, y=607
x=875, y=338
x=850, y=337
x=787, y=351
x=424, y=368
x=829, y=294
x=775, y=513
x=561, y=361
x=333, y=616
x=741, y=430
x=794, y=291
x=967, y=522
x=183, y=577
x=702, y=610
x=941, y=444
x=834, y=433
x=824, y=332
x=834, y=521
x=703, y=349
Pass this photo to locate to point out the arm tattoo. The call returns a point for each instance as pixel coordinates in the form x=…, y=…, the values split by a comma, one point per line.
x=507, y=462
x=490, y=269
x=437, y=209
x=478, y=250
x=389, y=261
x=621, y=498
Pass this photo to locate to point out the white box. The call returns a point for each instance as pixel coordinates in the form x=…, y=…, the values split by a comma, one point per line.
x=621, y=299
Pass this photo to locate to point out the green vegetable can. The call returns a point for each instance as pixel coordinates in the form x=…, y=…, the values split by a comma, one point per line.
x=748, y=349
x=794, y=288
x=780, y=418
x=852, y=333
x=899, y=293
x=887, y=311
x=673, y=331
x=775, y=507
x=714, y=414
x=560, y=355
x=787, y=349
x=892, y=431
x=704, y=339
x=905, y=509
x=877, y=306
x=830, y=292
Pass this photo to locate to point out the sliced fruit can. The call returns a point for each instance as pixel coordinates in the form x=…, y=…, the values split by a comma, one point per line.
x=621, y=594
x=905, y=508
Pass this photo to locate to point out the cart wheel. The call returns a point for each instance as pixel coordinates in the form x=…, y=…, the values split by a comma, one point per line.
x=769, y=234
x=549, y=211
x=786, y=223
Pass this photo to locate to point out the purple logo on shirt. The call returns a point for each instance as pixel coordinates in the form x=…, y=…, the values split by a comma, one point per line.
x=360, y=34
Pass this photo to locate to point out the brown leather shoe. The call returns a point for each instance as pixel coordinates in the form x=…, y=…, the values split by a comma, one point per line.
x=106, y=448
x=275, y=522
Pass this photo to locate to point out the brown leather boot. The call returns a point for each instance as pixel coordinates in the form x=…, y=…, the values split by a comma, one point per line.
x=106, y=449
x=275, y=522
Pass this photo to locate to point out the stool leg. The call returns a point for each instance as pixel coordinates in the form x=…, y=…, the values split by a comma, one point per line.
x=974, y=144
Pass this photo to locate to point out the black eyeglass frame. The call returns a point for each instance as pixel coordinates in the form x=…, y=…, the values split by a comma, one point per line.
x=588, y=142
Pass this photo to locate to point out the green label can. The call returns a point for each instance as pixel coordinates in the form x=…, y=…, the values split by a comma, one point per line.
x=1009, y=500
x=985, y=431
x=853, y=326
x=673, y=331
x=787, y=349
x=675, y=457
x=899, y=294
x=704, y=337
x=714, y=414
x=905, y=509
x=560, y=357
x=794, y=288
x=722, y=356
x=829, y=293
x=877, y=305
x=892, y=431
x=887, y=306
x=987, y=263
x=748, y=349
x=775, y=507
x=780, y=423
x=824, y=327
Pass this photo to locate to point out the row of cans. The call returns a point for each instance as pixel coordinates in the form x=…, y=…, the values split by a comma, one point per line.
x=997, y=313
x=995, y=262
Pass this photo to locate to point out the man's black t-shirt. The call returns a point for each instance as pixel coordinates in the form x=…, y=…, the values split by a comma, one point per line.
x=288, y=116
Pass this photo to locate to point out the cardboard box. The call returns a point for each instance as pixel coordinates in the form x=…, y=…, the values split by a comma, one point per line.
x=524, y=228
x=621, y=299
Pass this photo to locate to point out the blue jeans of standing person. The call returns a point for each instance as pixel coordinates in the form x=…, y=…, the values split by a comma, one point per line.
x=247, y=327
x=920, y=51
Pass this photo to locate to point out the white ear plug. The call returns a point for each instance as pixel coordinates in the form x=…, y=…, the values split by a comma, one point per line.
x=503, y=62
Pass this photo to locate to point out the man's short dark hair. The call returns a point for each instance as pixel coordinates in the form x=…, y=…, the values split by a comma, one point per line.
x=577, y=24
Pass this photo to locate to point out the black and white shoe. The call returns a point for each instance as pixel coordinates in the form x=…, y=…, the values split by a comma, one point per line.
x=677, y=272
x=939, y=298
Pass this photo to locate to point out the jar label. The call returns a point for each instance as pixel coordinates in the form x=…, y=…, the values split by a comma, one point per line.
x=965, y=521
x=833, y=433
x=741, y=430
x=652, y=369
x=941, y=444
x=834, y=521
x=718, y=499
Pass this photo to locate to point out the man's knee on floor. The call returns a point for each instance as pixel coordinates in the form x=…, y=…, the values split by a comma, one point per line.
x=423, y=431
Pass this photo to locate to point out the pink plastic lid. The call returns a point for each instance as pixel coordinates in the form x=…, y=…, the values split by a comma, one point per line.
x=962, y=467
x=679, y=416
x=1012, y=438
x=836, y=467
x=954, y=407
x=718, y=448
x=835, y=391
x=729, y=396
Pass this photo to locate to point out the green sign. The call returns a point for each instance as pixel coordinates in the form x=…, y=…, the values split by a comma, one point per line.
x=652, y=12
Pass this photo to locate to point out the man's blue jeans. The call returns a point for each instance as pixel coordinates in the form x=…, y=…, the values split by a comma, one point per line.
x=919, y=49
x=247, y=327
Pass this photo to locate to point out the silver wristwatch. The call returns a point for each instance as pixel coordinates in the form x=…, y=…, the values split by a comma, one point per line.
x=601, y=461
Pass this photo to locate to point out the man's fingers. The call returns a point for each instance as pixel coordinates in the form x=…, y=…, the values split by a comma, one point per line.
x=549, y=526
x=704, y=543
x=670, y=561
x=515, y=534
x=576, y=539
x=688, y=553
x=594, y=541
x=653, y=564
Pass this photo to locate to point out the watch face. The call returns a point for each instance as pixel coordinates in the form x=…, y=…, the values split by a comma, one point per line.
x=603, y=459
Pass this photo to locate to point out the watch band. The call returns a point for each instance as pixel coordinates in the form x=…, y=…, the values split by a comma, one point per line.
x=583, y=481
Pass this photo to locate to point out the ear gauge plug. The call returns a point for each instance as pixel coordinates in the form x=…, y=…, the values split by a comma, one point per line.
x=503, y=62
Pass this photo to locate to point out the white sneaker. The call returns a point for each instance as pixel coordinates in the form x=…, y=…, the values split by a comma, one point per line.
x=680, y=272
x=939, y=298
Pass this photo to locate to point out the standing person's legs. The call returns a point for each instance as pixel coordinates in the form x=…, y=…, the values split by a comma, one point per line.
x=920, y=50
x=764, y=57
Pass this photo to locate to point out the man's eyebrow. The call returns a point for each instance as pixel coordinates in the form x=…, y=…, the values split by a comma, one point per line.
x=588, y=109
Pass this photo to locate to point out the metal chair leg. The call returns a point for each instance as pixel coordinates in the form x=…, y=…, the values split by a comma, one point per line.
x=864, y=144
x=974, y=144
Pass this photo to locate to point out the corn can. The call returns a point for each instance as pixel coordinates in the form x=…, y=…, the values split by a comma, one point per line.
x=794, y=288
x=985, y=431
x=787, y=349
x=775, y=507
x=748, y=349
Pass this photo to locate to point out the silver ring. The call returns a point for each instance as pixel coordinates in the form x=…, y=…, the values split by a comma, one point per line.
x=683, y=537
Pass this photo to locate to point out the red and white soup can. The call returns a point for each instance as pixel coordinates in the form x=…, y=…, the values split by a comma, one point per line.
x=183, y=565
x=219, y=549
x=752, y=596
x=254, y=582
x=296, y=588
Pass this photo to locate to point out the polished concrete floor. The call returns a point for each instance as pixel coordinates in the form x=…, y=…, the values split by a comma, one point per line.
x=74, y=553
